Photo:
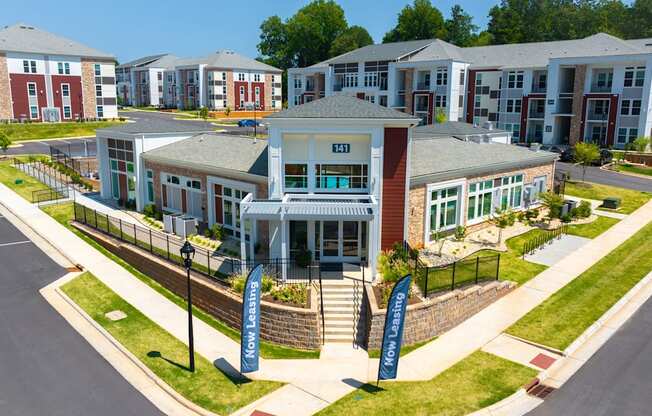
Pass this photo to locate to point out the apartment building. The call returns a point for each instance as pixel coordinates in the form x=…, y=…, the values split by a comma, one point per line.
x=596, y=89
x=140, y=82
x=217, y=81
x=48, y=78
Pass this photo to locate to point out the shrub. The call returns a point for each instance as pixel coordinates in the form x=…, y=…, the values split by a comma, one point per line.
x=296, y=294
x=566, y=218
x=149, y=210
x=393, y=265
x=553, y=202
x=641, y=143
x=460, y=232
x=583, y=210
x=217, y=232
x=237, y=282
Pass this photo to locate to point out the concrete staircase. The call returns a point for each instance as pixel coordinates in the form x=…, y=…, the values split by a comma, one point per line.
x=339, y=298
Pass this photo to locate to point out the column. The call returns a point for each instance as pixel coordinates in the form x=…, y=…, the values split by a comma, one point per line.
x=284, y=247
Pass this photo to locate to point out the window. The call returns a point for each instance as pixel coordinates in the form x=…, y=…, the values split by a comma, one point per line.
x=515, y=79
x=636, y=107
x=33, y=112
x=100, y=111
x=66, y=111
x=370, y=98
x=65, y=90
x=256, y=77
x=480, y=199
x=223, y=76
x=511, y=192
x=98, y=70
x=604, y=79
x=514, y=106
x=26, y=66
x=462, y=72
x=257, y=95
x=297, y=99
x=333, y=176
x=150, y=186
x=230, y=199
x=31, y=89
x=440, y=101
x=515, y=128
x=444, y=207
x=296, y=176
x=627, y=135
x=60, y=68
x=98, y=90
x=351, y=80
x=442, y=76
x=539, y=185
x=634, y=76
x=241, y=76
x=297, y=81
x=371, y=79
x=630, y=107
x=478, y=78
x=32, y=65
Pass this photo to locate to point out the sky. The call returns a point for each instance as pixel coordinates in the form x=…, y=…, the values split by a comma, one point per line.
x=136, y=28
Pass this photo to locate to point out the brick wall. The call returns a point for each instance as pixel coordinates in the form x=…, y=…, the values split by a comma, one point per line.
x=230, y=90
x=285, y=325
x=409, y=76
x=88, y=88
x=5, y=90
x=418, y=199
x=269, y=91
x=578, y=97
x=436, y=315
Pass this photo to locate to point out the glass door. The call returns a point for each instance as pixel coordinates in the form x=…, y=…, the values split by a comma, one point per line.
x=330, y=240
x=340, y=240
x=350, y=235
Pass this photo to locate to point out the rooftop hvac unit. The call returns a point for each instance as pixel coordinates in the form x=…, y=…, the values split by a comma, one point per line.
x=185, y=226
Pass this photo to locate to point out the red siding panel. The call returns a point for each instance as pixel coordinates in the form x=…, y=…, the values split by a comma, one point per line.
x=261, y=98
x=75, y=94
x=394, y=176
x=19, y=93
x=245, y=97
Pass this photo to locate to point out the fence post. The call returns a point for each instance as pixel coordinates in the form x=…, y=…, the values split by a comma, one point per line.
x=85, y=221
x=121, y=235
x=135, y=236
x=310, y=274
x=74, y=210
x=425, y=289
x=498, y=267
x=167, y=240
x=108, y=225
x=208, y=261
x=477, y=267
x=95, y=218
x=453, y=282
x=151, y=247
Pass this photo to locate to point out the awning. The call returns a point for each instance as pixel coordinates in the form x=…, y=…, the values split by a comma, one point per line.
x=311, y=207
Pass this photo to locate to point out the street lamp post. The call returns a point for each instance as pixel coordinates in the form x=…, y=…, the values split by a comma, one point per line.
x=188, y=253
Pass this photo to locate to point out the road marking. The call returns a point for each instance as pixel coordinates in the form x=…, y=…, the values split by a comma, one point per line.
x=15, y=243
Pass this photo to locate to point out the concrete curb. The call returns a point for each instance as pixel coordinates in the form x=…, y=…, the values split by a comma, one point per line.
x=635, y=175
x=192, y=408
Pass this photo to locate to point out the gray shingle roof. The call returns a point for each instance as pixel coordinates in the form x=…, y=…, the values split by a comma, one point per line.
x=341, y=106
x=380, y=52
x=142, y=61
x=26, y=38
x=228, y=59
x=439, y=159
x=165, y=62
x=159, y=125
x=215, y=151
x=452, y=128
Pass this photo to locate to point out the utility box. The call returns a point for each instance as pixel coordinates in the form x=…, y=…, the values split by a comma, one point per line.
x=169, y=223
x=185, y=226
x=611, y=202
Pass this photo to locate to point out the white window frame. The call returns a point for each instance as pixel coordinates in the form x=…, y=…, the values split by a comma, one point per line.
x=515, y=79
x=460, y=184
x=66, y=109
x=442, y=76
x=244, y=188
x=97, y=68
x=99, y=111
x=631, y=133
x=67, y=89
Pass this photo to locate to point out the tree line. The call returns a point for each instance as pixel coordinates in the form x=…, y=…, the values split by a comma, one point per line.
x=319, y=30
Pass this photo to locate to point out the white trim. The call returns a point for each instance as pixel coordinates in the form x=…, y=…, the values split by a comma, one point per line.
x=461, y=184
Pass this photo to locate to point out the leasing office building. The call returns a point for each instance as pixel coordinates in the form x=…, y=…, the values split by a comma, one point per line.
x=595, y=89
x=343, y=178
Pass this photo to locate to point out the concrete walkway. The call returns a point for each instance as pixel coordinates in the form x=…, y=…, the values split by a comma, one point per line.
x=314, y=384
x=553, y=252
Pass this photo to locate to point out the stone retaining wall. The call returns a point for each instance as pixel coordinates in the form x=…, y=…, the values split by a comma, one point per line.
x=436, y=315
x=642, y=158
x=285, y=325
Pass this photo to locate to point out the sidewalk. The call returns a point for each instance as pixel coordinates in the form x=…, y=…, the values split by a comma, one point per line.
x=314, y=384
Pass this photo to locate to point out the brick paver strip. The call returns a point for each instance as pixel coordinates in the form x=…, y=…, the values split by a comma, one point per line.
x=542, y=361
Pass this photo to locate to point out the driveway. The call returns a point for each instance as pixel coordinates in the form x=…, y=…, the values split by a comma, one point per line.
x=615, y=381
x=597, y=175
x=47, y=368
x=78, y=147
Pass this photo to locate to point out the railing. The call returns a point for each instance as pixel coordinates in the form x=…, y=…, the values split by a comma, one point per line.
x=600, y=88
x=421, y=86
x=51, y=195
x=46, y=174
x=82, y=167
x=543, y=239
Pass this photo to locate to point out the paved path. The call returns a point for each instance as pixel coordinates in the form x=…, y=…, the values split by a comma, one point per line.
x=316, y=383
x=616, y=380
x=76, y=146
x=46, y=367
x=597, y=175
x=553, y=252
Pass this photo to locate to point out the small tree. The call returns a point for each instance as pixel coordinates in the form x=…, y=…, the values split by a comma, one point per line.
x=438, y=237
x=203, y=113
x=502, y=219
x=5, y=142
x=585, y=155
x=440, y=116
x=227, y=111
x=641, y=144
x=553, y=202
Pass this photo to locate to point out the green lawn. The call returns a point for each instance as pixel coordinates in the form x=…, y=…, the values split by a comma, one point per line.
x=405, y=349
x=581, y=302
x=8, y=176
x=628, y=167
x=63, y=214
x=478, y=381
x=592, y=229
x=164, y=354
x=39, y=131
x=631, y=200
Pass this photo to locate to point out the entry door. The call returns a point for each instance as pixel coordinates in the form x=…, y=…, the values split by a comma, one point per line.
x=340, y=241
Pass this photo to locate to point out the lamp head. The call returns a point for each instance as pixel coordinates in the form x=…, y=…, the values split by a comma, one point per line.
x=187, y=253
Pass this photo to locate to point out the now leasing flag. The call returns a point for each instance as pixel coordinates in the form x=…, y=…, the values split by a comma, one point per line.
x=393, y=332
x=250, y=333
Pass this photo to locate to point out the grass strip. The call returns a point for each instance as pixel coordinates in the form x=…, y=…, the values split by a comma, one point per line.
x=478, y=381
x=638, y=169
x=39, y=131
x=592, y=229
x=63, y=214
x=165, y=355
x=631, y=200
x=9, y=175
x=405, y=349
x=563, y=317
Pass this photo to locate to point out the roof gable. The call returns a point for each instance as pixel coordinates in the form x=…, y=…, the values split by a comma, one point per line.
x=341, y=107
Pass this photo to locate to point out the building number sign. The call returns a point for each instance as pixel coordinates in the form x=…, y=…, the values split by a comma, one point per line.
x=341, y=148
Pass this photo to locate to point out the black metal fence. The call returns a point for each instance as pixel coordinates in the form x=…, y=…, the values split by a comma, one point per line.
x=84, y=167
x=432, y=279
x=542, y=239
x=52, y=195
x=41, y=172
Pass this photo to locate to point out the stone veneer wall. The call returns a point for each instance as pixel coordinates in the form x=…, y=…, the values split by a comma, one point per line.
x=409, y=76
x=6, y=110
x=88, y=88
x=578, y=101
x=230, y=90
x=269, y=80
x=285, y=325
x=436, y=315
x=418, y=199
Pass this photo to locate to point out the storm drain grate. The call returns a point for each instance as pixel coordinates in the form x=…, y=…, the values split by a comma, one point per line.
x=539, y=390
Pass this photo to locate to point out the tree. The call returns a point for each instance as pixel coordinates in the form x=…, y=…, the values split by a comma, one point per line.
x=460, y=28
x=641, y=144
x=440, y=116
x=421, y=20
x=273, y=45
x=203, y=113
x=5, y=142
x=352, y=38
x=502, y=219
x=553, y=203
x=585, y=155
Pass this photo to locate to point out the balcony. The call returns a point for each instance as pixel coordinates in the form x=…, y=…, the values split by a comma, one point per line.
x=337, y=87
x=597, y=117
x=400, y=100
x=600, y=88
x=423, y=86
x=536, y=114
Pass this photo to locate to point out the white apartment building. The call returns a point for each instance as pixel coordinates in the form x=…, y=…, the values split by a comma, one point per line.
x=140, y=82
x=595, y=89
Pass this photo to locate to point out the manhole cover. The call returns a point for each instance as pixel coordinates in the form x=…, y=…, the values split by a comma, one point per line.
x=116, y=315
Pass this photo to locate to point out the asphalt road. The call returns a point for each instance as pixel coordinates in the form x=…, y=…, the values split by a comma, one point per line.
x=615, y=381
x=597, y=175
x=230, y=129
x=46, y=367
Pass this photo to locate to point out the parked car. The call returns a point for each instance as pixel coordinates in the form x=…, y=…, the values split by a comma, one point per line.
x=568, y=156
x=249, y=123
x=552, y=148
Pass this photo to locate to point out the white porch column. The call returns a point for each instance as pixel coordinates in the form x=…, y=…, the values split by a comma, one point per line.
x=243, y=245
x=371, y=248
x=284, y=248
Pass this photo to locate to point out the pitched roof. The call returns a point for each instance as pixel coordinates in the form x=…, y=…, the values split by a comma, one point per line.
x=453, y=128
x=215, y=152
x=379, y=52
x=160, y=125
x=166, y=61
x=341, y=106
x=142, y=61
x=439, y=159
x=228, y=59
x=25, y=38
